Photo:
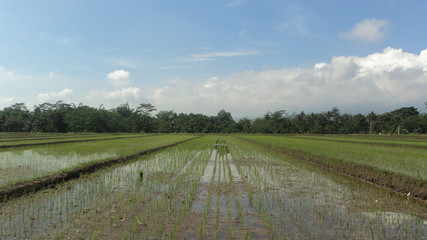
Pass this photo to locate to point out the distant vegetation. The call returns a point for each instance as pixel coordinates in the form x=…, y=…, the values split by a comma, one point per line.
x=65, y=117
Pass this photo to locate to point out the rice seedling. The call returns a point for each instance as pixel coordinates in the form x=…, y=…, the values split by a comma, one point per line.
x=406, y=161
x=296, y=202
x=213, y=187
x=23, y=164
x=83, y=199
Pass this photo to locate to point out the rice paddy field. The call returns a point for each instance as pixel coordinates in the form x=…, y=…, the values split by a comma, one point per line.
x=30, y=139
x=216, y=187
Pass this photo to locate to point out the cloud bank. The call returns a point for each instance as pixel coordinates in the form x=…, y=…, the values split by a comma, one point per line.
x=55, y=96
x=6, y=101
x=391, y=78
x=114, y=98
x=382, y=81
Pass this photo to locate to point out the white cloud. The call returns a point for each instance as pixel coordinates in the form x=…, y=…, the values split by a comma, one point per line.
x=130, y=93
x=391, y=78
x=368, y=30
x=55, y=96
x=53, y=74
x=116, y=97
x=6, y=102
x=119, y=78
x=14, y=78
x=203, y=57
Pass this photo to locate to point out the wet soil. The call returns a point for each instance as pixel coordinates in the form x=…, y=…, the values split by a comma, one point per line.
x=221, y=209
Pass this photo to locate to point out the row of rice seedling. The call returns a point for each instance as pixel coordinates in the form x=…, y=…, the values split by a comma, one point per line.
x=35, y=139
x=24, y=135
x=202, y=189
x=221, y=209
x=147, y=198
x=298, y=201
x=29, y=135
x=391, y=137
x=23, y=164
x=393, y=142
x=405, y=161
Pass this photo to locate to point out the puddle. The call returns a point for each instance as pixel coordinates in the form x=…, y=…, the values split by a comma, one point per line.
x=209, y=170
x=221, y=208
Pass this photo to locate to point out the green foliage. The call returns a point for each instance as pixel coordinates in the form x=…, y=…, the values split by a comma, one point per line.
x=65, y=117
x=15, y=118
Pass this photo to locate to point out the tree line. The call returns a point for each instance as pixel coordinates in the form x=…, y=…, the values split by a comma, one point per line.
x=67, y=117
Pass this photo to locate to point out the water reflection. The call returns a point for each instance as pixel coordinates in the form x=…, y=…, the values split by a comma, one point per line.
x=24, y=164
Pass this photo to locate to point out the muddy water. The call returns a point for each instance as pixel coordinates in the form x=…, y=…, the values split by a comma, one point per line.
x=23, y=164
x=209, y=170
x=299, y=201
x=221, y=208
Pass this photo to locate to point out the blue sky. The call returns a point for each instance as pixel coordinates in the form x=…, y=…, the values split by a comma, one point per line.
x=247, y=57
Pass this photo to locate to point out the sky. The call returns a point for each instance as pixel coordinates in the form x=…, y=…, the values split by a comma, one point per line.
x=200, y=56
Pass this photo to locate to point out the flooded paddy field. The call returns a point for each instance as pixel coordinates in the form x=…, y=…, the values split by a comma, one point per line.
x=19, y=164
x=214, y=187
x=31, y=139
